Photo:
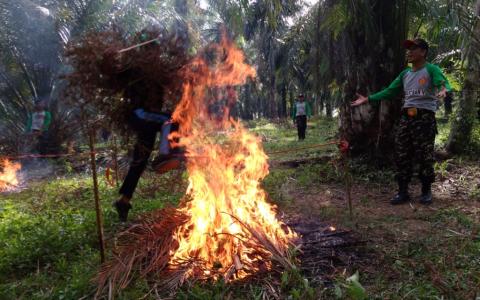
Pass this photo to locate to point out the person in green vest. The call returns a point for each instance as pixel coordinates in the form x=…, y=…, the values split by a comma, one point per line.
x=37, y=126
x=300, y=113
x=39, y=120
x=423, y=84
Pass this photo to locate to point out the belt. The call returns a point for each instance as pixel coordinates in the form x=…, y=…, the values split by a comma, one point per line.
x=414, y=112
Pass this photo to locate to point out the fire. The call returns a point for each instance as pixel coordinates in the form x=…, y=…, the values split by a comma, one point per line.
x=225, y=203
x=8, y=176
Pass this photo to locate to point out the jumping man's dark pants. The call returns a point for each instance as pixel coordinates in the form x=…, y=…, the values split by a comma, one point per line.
x=146, y=134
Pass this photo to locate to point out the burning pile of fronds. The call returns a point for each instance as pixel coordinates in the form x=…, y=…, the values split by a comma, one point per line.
x=115, y=74
x=8, y=175
x=223, y=228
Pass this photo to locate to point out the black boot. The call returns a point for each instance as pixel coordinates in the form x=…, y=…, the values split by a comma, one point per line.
x=426, y=197
x=402, y=196
x=122, y=209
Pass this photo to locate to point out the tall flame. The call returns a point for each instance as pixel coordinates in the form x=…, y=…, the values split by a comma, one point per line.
x=8, y=176
x=226, y=164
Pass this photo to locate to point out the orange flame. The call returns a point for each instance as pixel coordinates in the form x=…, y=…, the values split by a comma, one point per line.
x=226, y=164
x=8, y=177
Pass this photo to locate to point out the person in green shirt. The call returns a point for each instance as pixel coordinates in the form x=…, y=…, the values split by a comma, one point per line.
x=300, y=113
x=39, y=120
x=423, y=84
x=37, y=126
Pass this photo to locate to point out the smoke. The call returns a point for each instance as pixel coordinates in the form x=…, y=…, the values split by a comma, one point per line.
x=44, y=11
x=35, y=169
x=33, y=35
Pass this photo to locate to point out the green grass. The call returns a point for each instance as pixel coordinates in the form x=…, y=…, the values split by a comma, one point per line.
x=443, y=127
x=283, y=136
x=441, y=263
x=49, y=247
x=430, y=268
x=48, y=238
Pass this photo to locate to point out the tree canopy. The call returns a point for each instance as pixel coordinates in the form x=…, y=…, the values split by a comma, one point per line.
x=327, y=50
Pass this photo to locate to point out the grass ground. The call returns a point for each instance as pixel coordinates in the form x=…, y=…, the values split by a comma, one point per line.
x=49, y=249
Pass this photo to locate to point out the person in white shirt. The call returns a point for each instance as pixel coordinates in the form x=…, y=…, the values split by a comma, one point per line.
x=300, y=113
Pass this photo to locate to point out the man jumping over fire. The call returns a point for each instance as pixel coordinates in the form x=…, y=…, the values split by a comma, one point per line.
x=133, y=85
x=423, y=84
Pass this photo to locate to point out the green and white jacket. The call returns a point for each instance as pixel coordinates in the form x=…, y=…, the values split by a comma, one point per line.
x=420, y=87
x=39, y=121
x=301, y=109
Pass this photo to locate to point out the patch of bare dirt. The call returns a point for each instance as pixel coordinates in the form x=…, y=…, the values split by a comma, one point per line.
x=379, y=228
x=458, y=188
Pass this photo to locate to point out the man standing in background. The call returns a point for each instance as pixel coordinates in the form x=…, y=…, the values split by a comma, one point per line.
x=300, y=113
x=37, y=125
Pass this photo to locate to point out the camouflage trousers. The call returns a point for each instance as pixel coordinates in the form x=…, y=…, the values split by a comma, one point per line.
x=414, y=145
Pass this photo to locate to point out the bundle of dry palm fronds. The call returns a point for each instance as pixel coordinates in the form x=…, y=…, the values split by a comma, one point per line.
x=145, y=249
x=113, y=82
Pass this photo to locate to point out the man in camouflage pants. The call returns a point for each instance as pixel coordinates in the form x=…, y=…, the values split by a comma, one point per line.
x=423, y=84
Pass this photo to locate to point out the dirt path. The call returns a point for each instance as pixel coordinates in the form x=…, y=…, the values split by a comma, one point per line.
x=430, y=250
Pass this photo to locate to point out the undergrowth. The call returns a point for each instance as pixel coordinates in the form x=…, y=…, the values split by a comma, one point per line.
x=48, y=239
x=49, y=246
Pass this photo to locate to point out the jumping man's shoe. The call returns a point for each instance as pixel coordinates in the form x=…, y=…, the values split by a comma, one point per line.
x=166, y=162
x=167, y=165
x=122, y=209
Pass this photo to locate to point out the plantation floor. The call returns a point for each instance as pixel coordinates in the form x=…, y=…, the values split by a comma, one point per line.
x=414, y=251
x=49, y=249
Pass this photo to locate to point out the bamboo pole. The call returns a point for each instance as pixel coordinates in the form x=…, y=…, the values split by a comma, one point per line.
x=115, y=158
x=91, y=140
x=344, y=151
x=138, y=45
x=348, y=186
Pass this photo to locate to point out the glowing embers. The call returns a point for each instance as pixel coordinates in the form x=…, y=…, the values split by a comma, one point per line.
x=8, y=175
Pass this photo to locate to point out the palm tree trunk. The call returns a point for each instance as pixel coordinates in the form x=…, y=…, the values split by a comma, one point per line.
x=318, y=58
x=321, y=103
x=283, y=107
x=461, y=131
x=328, y=105
x=373, y=58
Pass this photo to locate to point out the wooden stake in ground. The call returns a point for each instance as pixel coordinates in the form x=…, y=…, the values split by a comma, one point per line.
x=348, y=186
x=343, y=146
x=91, y=140
x=115, y=158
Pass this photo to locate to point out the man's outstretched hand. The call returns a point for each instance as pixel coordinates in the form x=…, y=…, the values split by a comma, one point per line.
x=360, y=100
x=443, y=93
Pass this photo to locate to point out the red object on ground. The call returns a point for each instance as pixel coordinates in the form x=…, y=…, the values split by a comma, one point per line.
x=343, y=146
